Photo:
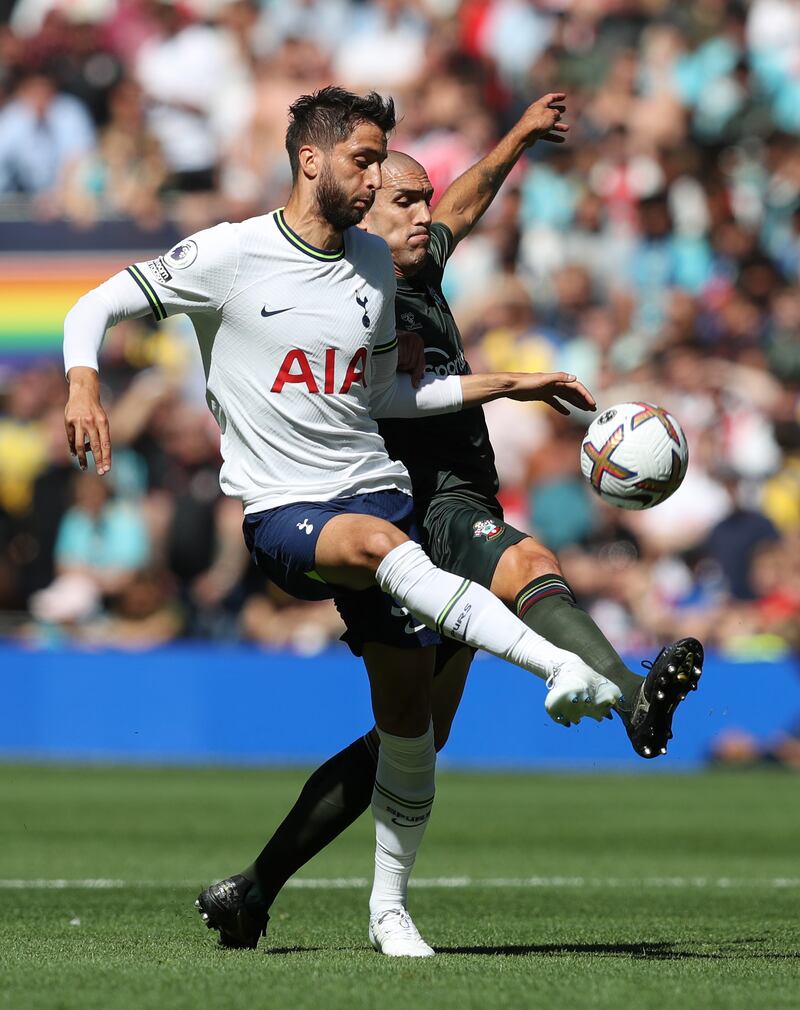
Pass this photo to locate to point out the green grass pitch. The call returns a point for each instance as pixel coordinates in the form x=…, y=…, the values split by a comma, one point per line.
x=644, y=891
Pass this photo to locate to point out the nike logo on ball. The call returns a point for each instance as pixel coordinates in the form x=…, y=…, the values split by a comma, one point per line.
x=266, y=312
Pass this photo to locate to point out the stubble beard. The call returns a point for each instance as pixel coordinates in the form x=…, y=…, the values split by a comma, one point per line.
x=333, y=203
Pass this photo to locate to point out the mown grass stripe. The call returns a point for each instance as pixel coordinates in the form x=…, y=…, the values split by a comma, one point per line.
x=497, y=883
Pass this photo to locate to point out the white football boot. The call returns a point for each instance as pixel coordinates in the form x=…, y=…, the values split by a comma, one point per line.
x=575, y=691
x=392, y=932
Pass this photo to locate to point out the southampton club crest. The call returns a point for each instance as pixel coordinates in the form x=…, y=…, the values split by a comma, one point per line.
x=409, y=321
x=487, y=528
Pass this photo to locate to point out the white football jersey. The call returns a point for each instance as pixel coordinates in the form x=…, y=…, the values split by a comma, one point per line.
x=299, y=350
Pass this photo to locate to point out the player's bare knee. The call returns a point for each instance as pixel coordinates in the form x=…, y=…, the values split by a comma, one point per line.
x=377, y=543
x=520, y=565
x=535, y=560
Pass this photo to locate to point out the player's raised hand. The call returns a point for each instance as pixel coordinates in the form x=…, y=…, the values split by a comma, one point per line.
x=551, y=388
x=542, y=119
x=411, y=355
x=85, y=420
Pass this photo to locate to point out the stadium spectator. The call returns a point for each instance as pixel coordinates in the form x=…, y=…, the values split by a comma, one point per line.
x=23, y=442
x=194, y=529
x=36, y=531
x=101, y=546
x=271, y=618
x=124, y=174
x=101, y=537
x=142, y=615
x=196, y=86
x=42, y=133
x=383, y=48
x=324, y=23
x=254, y=173
x=70, y=44
x=737, y=541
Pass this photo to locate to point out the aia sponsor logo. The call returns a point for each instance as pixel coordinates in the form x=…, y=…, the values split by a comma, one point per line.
x=296, y=370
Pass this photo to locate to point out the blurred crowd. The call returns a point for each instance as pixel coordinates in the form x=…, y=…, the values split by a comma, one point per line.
x=656, y=255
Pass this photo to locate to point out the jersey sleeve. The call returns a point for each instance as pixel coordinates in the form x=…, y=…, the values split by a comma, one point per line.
x=441, y=246
x=86, y=322
x=397, y=397
x=196, y=275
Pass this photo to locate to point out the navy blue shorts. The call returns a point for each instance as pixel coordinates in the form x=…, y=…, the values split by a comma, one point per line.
x=283, y=542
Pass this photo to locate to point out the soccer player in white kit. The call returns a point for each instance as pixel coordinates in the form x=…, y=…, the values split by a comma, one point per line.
x=294, y=315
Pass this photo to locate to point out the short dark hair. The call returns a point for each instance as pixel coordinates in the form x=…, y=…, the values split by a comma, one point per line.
x=329, y=115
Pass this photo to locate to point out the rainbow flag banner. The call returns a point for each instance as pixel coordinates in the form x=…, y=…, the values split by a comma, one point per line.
x=38, y=289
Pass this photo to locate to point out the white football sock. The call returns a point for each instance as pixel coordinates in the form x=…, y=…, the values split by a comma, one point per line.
x=463, y=610
x=401, y=805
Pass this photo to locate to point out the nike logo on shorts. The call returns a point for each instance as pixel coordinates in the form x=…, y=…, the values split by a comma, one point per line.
x=410, y=628
x=274, y=312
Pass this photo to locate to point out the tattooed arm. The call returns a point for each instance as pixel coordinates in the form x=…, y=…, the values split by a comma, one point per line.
x=466, y=200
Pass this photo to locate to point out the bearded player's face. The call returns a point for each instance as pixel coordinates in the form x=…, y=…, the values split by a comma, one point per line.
x=350, y=175
x=401, y=215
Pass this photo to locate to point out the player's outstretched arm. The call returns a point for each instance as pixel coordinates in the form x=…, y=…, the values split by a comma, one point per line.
x=466, y=200
x=549, y=387
x=396, y=396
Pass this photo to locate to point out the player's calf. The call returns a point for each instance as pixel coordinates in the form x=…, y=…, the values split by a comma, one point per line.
x=528, y=578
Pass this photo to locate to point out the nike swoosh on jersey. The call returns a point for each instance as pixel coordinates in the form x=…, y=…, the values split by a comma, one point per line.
x=274, y=312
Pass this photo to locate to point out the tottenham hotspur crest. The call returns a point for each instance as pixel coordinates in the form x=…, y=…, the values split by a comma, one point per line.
x=362, y=302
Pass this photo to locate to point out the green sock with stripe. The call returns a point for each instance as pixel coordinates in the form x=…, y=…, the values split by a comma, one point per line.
x=548, y=606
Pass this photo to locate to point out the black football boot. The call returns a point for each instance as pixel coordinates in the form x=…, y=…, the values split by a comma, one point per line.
x=674, y=672
x=232, y=907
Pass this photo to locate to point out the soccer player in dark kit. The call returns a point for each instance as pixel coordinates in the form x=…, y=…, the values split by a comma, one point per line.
x=455, y=484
